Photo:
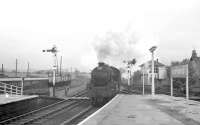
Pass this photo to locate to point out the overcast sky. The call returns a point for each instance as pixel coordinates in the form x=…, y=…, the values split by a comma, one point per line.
x=80, y=28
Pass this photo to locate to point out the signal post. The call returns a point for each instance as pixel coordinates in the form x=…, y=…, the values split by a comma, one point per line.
x=54, y=52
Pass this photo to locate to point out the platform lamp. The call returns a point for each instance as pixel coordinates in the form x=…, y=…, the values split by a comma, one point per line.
x=152, y=49
x=54, y=52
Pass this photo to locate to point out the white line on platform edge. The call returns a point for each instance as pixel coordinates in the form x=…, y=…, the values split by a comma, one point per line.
x=89, y=117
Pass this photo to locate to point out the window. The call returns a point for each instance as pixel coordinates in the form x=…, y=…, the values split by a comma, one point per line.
x=155, y=70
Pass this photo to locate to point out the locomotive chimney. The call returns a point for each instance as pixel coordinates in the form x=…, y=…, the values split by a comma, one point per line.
x=101, y=63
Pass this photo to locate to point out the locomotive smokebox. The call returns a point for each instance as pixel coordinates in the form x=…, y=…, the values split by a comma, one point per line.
x=101, y=63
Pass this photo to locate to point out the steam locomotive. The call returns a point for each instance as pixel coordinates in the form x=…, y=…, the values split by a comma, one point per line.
x=104, y=84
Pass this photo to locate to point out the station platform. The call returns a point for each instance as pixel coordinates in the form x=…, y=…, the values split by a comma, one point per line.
x=146, y=110
x=5, y=99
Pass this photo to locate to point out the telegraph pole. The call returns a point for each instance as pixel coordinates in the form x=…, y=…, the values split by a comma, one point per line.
x=16, y=67
x=2, y=69
x=27, y=73
x=61, y=66
x=57, y=67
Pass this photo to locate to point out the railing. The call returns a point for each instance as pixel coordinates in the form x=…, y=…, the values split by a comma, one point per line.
x=11, y=89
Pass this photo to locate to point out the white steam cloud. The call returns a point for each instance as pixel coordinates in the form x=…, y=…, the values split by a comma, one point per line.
x=115, y=47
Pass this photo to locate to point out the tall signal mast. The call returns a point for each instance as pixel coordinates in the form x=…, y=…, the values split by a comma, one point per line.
x=54, y=51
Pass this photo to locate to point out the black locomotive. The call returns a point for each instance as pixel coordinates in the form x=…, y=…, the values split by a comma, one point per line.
x=104, y=84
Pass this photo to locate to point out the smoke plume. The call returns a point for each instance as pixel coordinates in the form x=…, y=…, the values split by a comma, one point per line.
x=115, y=47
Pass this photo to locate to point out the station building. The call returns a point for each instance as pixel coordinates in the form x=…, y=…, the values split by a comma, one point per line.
x=160, y=71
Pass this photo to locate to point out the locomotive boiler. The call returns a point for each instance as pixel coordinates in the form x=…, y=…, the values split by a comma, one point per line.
x=104, y=84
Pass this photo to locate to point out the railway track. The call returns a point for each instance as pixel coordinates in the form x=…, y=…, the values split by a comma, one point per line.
x=80, y=116
x=47, y=111
x=80, y=94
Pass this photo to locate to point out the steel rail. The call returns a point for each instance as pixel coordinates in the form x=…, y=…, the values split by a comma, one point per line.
x=32, y=112
x=77, y=116
x=40, y=109
x=53, y=112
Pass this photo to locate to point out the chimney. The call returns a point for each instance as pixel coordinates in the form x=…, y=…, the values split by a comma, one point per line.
x=101, y=63
x=156, y=62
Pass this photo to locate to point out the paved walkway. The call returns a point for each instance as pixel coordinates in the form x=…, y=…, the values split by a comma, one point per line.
x=145, y=110
x=4, y=99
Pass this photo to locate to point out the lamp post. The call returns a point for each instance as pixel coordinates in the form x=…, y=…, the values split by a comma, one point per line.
x=152, y=49
x=54, y=52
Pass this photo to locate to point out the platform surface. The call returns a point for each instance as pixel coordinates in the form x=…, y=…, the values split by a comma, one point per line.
x=5, y=99
x=146, y=110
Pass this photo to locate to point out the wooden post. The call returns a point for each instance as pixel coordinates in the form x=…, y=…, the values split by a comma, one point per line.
x=11, y=89
x=16, y=90
x=4, y=88
x=22, y=85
